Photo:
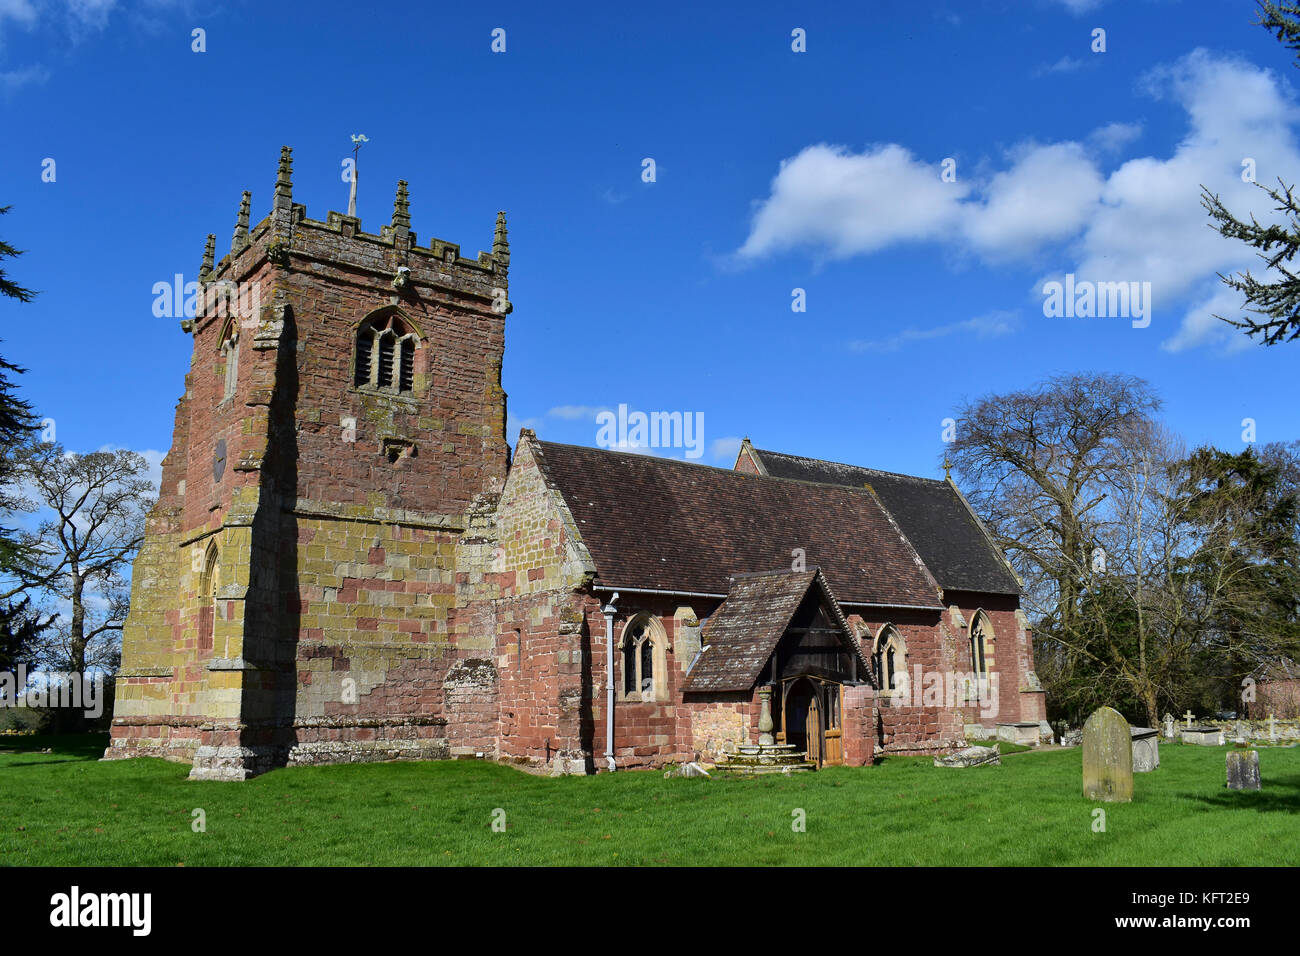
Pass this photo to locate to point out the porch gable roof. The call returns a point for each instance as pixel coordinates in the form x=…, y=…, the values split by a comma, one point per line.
x=746, y=628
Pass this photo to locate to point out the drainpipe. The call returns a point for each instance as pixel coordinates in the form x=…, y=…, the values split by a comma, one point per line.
x=608, y=610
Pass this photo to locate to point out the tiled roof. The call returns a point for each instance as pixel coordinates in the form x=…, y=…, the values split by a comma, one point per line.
x=661, y=524
x=949, y=538
x=1277, y=669
x=744, y=631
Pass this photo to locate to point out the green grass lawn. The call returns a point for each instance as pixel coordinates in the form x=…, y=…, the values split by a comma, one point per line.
x=65, y=807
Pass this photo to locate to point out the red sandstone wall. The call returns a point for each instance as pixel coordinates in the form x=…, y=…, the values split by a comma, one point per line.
x=1281, y=698
x=940, y=643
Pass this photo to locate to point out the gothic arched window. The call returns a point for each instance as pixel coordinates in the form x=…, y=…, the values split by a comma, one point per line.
x=891, y=659
x=644, y=660
x=209, y=580
x=981, y=637
x=229, y=352
x=385, y=356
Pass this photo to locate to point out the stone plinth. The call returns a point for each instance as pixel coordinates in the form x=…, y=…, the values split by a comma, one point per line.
x=766, y=758
x=1203, y=736
x=1025, y=733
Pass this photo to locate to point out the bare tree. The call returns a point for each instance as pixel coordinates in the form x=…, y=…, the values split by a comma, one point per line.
x=81, y=553
x=1151, y=573
x=1040, y=464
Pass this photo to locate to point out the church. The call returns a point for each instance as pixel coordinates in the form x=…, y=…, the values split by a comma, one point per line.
x=347, y=563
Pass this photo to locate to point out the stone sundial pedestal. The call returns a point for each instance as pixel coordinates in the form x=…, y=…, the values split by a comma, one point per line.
x=765, y=725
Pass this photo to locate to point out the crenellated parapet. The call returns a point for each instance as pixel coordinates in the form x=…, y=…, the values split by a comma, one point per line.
x=287, y=238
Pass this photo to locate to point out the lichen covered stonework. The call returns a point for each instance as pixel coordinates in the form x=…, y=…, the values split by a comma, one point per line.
x=344, y=565
x=304, y=590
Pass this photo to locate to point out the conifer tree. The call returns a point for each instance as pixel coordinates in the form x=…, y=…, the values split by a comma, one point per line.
x=1275, y=304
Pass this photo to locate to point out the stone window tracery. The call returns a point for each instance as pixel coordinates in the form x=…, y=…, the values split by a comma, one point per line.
x=891, y=659
x=385, y=355
x=981, y=649
x=644, y=660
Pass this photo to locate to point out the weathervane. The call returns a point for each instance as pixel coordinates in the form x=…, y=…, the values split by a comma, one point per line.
x=357, y=140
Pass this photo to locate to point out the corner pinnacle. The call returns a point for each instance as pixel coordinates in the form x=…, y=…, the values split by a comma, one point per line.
x=240, y=238
x=401, y=207
x=500, y=241
x=209, y=256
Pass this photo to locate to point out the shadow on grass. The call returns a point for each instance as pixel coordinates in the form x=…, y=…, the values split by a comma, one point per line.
x=79, y=746
x=1278, y=795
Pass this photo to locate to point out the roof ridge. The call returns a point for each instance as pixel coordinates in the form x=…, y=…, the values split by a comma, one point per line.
x=811, y=569
x=726, y=471
x=845, y=464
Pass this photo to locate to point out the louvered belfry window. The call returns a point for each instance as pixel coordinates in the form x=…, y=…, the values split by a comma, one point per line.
x=385, y=357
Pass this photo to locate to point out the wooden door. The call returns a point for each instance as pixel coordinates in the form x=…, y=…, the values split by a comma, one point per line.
x=834, y=749
x=814, y=731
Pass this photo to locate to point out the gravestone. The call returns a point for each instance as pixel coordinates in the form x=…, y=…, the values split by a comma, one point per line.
x=970, y=757
x=1169, y=726
x=1243, y=770
x=1146, y=749
x=1206, y=736
x=1107, y=757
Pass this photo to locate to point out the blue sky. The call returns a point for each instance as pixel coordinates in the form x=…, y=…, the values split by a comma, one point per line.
x=775, y=170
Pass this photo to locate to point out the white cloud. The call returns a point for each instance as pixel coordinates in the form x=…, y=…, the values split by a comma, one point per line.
x=1142, y=221
x=20, y=11
x=1066, y=64
x=1080, y=6
x=1199, y=326
x=78, y=17
x=1150, y=225
x=12, y=81
x=725, y=450
x=90, y=15
x=575, y=412
x=1114, y=136
x=152, y=457
x=851, y=203
x=985, y=326
x=1047, y=195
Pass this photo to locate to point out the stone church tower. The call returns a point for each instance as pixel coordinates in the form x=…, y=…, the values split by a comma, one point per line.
x=305, y=591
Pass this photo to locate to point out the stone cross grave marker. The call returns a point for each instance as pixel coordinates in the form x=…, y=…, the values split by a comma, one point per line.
x=1189, y=716
x=1107, y=757
x=1272, y=727
x=1243, y=770
x=1169, y=726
